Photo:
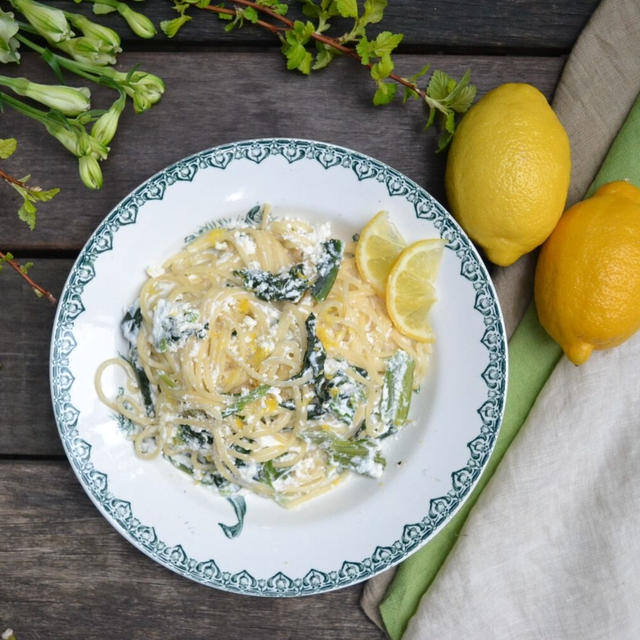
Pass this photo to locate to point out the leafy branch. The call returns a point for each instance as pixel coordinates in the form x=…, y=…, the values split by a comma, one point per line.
x=22, y=270
x=308, y=47
x=30, y=196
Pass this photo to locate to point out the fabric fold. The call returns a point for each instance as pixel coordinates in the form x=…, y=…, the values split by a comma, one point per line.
x=584, y=103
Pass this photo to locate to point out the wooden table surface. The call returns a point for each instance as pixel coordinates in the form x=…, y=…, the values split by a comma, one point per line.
x=64, y=571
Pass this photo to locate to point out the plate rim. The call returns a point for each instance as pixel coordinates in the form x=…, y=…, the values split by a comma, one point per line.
x=119, y=512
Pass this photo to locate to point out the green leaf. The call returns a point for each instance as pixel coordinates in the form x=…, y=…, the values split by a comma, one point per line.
x=7, y=147
x=171, y=27
x=27, y=213
x=431, y=118
x=373, y=11
x=324, y=56
x=444, y=140
x=408, y=93
x=294, y=49
x=250, y=14
x=464, y=99
x=419, y=74
x=297, y=56
x=235, y=21
x=386, y=42
x=311, y=9
x=381, y=70
x=449, y=122
x=281, y=8
x=462, y=95
x=24, y=268
x=43, y=196
x=304, y=30
x=365, y=49
x=448, y=128
x=439, y=86
x=384, y=93
x=51, y=60
x=347, y=8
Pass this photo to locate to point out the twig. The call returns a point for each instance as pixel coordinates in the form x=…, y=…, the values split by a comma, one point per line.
x=331, y=42
x=11, y=180
x=36, y=287
x=232, y=12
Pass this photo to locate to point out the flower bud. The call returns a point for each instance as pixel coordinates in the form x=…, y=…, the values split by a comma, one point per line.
x=68, y=137
x=104, y=128
x=90, y=172
x=8, y=44
x=87, y=51
x=105, y=39
x=138, y=22
x=89, y=146
x=145, y=89
x=49, y=22
x=70, y=101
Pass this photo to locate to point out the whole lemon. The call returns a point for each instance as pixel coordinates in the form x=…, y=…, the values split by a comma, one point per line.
x=587, y=284
x=507, y=173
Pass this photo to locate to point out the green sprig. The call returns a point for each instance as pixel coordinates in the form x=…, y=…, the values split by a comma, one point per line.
x=307, y=47
x=30, y=194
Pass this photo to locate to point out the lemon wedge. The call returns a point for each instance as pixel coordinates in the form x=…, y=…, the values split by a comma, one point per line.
x=379, y=245
x=410, y=290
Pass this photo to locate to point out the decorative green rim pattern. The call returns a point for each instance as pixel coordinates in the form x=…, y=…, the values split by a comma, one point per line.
x=120, y=513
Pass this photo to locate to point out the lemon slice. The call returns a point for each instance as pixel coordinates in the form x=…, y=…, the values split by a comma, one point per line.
x=410, y=288
x=379, y=245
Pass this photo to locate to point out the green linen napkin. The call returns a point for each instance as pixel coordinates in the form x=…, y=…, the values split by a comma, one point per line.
x=532, y=357
x=623, y=158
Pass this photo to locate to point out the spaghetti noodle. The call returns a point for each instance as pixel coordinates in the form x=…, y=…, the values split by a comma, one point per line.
x=259, y=359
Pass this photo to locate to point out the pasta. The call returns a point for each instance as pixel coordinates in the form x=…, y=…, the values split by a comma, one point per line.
x=259, y=359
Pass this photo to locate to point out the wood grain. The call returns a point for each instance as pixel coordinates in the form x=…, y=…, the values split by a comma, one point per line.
x=26, y=419
x=219, y=97
x=542, y=25
x=67, y=574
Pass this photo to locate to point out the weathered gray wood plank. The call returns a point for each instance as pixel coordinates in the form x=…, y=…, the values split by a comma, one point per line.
x=67, y=574
x=214, y=98
x=26, y=419
x=544, y=25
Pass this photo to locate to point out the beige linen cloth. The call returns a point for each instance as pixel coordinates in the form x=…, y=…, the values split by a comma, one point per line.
x=551, y=550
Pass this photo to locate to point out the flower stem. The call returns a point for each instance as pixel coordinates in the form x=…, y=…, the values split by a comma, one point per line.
x=18, y=269
x=88, y=71
x=22, y=107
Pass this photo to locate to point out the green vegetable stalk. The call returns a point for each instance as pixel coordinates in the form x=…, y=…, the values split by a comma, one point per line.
x=360, y=455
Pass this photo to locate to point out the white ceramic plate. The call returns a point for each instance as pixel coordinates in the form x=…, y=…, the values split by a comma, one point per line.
x=363, y=526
